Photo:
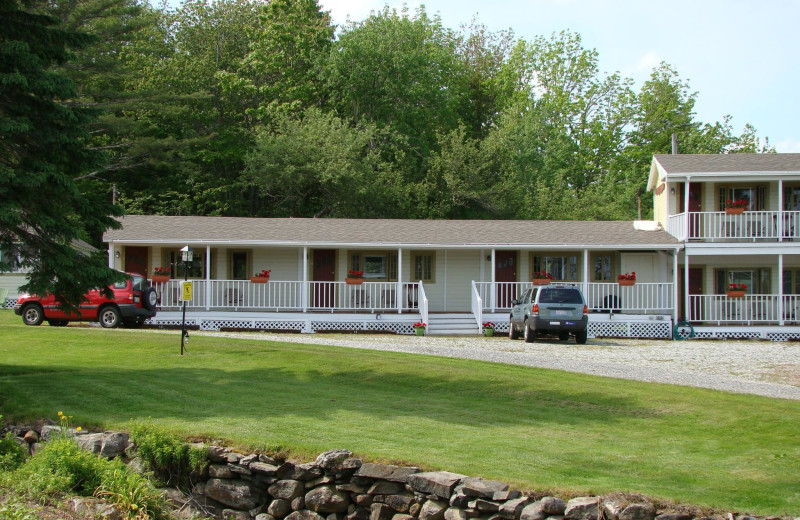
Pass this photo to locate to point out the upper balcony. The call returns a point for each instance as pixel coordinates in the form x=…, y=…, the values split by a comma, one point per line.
x=750, y=226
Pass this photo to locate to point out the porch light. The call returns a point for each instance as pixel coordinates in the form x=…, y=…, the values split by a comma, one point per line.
x=187, y=253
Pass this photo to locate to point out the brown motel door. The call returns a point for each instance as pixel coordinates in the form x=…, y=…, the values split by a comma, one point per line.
x=324, y=271
x=505, y=274
x=136, y=260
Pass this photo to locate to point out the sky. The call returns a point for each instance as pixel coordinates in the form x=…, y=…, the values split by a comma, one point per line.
x=741, y=57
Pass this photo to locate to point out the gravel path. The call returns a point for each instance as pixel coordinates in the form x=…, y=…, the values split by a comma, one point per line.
x=765, y=368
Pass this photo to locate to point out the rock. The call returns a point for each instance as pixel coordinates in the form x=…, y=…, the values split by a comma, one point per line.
x=247, y=459
x=332, y=459
x=232, y=514
x=638, y=511
x=439, y=483
x=220, y=471
x=433, y=510
x=239, y=469
x=400, y=503
x=335, y=516
x=114, y=445
x=304, y=514
x=288, y=489
x=30, y=437
x=50, y=432
x=299, y=503
x=414, y=509
x=263, y=468
x=477, y=487
x=279, y=508
x=503, y=496
x=327, y=499
x=612, y=507
x=675, y=516
x=237, y=494
x=363, y=500
x=484, y=506
x=94, y=508
x=291, y=471
x=583, y=508
x=455, y=513
x=386, y=472
x=92, y=442
x=264, y=516
x=266, y=459
x=399, y=516
x=459, y=500
x=553, y=506
x=512, y=509
x=384, y=487
x=381, y=512
x=352, y=488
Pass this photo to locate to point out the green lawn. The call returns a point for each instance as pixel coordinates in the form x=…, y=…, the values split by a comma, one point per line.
x=533, y=428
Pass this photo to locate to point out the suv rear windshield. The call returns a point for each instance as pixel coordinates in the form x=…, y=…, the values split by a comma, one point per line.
x=560, y=296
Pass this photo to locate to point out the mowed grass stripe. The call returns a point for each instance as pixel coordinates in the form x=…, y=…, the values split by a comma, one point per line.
x=530, y=427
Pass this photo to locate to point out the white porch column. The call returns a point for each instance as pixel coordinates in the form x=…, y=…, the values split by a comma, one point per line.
x=304, y=285
x=780, y=218
x=780, y=285
x=111, y=249
x=675, y=286
x=208, y=277
x=399, y=291
x=686, y=210
x=686, y=308
x=585, y=270
x=493, y=292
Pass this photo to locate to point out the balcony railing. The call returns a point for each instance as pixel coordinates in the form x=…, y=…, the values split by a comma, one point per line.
x=752, y=308
x=641, y=298
x=748, y=226
x=291, y=296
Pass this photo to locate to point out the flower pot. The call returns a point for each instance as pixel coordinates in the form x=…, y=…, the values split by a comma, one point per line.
x=540, y=281
x=419, y=331
x=353, y=281
x=734, y=211
x=160, y=278
x=735, y=294
x=259, y=279
x=626, y=283
x=488, y=332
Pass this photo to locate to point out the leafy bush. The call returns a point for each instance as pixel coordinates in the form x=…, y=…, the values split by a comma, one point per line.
x=14, y=510
x=12, y=455
x=170, y=458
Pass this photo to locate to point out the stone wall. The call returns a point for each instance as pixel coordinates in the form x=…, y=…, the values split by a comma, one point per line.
x=337, y=486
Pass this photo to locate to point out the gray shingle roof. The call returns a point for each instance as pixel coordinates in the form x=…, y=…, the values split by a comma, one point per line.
x=233, y=231
x=735, y=162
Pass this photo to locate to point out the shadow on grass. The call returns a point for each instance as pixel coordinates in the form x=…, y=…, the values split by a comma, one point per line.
x=376, y=394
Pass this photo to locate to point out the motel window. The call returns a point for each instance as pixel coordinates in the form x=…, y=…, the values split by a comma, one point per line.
x=602, y=268
x=239, y=262
x=423, y=267
x=754, y=195
x=756, y=280
x=196, y=268
x=563, y=268
x=791, y=198
x=377, y=267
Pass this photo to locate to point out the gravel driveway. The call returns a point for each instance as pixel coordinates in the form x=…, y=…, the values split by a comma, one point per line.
x=756, y=367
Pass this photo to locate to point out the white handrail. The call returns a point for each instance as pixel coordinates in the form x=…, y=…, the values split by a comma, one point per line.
x=477, y=305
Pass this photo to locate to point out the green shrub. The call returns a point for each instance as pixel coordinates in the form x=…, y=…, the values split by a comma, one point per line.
x=14, y=510
x=12, y=454
x=171, y=459
x=134, y=495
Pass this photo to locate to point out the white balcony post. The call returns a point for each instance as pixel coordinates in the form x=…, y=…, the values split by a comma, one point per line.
x=399, y=290
x=687, y=229
x=686, y=307
x=208, y=277
x=780, y=290
x=675, y=287
x=492, y=271
x=304, y=293
x=585, y=270
x=780, y=215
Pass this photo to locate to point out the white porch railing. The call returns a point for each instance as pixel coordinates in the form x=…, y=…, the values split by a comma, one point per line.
x=747, y=226
x=477, y=304
x=752, y=308
x=423, y=302
x=288, y=295
x=641, y=298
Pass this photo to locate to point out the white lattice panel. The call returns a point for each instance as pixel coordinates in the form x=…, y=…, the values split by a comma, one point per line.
x=336, y=325
x=10, y=302
x=250, y=324
x=630, y=329
x=783, y=336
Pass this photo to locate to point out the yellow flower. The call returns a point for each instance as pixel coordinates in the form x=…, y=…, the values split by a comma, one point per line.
x=78, y=428
x=60, y=414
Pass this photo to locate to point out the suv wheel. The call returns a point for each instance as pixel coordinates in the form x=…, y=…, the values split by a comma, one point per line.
x=32, y=314
x=150, y=299
x=109, y=317
x=512, y=332
x=529, y=333
x=580, y=337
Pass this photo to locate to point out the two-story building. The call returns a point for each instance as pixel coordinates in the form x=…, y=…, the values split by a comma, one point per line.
x=738, y=218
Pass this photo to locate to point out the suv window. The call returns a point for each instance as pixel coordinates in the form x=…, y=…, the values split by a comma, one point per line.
x=560, y=296
x=139, y=283
x=121, y=285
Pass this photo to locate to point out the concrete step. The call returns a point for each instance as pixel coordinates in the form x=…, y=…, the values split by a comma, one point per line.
x=452, y=324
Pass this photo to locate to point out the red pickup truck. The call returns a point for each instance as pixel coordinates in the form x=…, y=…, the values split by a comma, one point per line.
x=132, y=302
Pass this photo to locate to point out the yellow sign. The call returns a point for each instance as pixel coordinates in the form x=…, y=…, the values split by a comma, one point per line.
x=186, y=291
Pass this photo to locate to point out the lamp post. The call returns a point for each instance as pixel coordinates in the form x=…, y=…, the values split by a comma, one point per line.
x=186, y=255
